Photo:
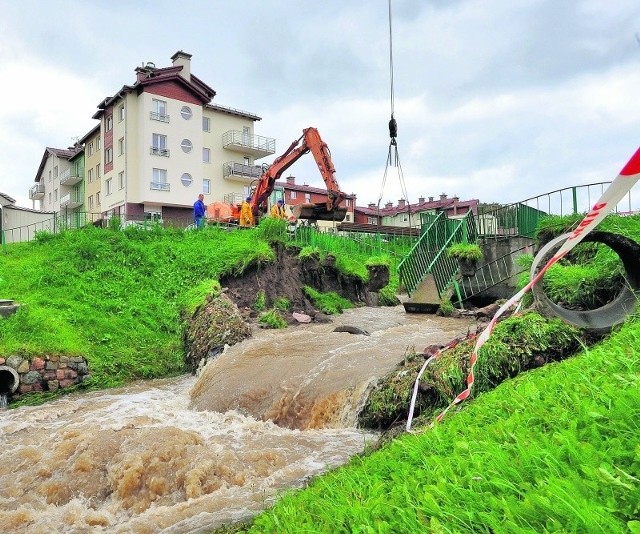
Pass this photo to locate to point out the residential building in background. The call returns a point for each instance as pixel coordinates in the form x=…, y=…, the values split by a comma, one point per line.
x=53, y=179
x=405, y=214
x=159, y=143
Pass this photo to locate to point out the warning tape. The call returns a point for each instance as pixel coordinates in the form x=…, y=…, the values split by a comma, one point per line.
x=623, y=183
x=435, y=356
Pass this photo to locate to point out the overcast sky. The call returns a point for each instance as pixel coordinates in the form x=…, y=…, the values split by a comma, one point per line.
x=498, y=100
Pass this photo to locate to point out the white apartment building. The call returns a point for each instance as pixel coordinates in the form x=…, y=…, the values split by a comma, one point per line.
x=160, y=143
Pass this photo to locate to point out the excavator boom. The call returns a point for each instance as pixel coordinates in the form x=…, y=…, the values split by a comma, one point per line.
x=309, y=141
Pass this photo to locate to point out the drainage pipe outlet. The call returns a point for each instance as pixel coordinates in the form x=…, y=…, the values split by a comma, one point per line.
x=9, y=380
x=602, y=319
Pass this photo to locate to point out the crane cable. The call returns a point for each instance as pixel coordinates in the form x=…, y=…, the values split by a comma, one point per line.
x=393, y=158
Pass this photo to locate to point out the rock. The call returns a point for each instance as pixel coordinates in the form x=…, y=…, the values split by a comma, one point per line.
x=301, y=317
x=488, y=311
x=351, y=330
x=321, y=318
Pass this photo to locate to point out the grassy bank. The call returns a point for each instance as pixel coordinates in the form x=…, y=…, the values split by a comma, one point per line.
x=554, y=450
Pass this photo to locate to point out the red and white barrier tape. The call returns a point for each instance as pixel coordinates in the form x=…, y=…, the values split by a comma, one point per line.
x=623, y=183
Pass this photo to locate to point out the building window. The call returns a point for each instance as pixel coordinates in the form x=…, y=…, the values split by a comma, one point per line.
x=186, y=146
x=159, y=180
x=98, y=143
x=98, y=198
x=49, y=175
x=159, y=110
x=121, y=180
x=206, y=155
x=371, y=220
x=293, y=194
x=55, y=195
x=90, y=202
x=121, y=113
x=108, y=155
x=186, y=179
x=159, y=145
x=121, y=146
x=206, y=124
x=55, y=172
x=49, y=198
x=347, y=202
x=109, y=186
x=247, y=161
x=109, y=125
x=307, y=197
x=405, y=217
x=90, y=148
x=98, y=172
x=206, y=186
x=90, y=175
x=186, y=112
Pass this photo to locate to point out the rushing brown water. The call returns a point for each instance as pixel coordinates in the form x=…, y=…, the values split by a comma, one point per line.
x=141, y=459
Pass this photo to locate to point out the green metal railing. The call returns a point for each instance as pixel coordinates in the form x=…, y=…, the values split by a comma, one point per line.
x=428, y=255
x=522, y=218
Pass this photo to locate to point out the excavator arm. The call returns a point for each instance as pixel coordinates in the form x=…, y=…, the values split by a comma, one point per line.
x=309, y=141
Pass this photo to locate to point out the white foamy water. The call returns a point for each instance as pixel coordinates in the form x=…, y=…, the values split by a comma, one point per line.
x=140, y=459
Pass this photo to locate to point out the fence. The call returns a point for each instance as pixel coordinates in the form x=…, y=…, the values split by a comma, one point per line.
x=522, y=218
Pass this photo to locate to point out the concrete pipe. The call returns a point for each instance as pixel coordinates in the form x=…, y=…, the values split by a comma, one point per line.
x=599, y=320
x=9, y=380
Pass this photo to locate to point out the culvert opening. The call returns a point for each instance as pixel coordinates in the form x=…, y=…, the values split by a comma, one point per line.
x=601, y=319
x=9, y=380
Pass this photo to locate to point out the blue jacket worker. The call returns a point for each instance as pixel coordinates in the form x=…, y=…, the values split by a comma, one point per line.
x=199, y=211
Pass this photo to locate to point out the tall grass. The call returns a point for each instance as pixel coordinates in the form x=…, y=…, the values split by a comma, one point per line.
x=554, y=450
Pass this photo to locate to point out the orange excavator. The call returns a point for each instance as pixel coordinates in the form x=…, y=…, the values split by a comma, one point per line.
x=309, y=141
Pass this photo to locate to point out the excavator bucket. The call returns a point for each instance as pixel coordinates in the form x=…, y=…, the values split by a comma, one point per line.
x=318, y=212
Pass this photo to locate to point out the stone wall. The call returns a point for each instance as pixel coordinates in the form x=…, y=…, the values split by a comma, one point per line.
x=46, y=373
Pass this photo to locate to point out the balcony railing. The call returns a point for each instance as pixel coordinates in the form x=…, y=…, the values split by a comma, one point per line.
x=231, y=168
x=256, y=145
x=160, y=186
x=71, y=200
x=36, y=191
x=160, y=151
x=71, y=176
x=158, y=116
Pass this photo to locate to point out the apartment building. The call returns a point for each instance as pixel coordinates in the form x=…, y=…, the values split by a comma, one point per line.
x=158, y=144
x=57, y=179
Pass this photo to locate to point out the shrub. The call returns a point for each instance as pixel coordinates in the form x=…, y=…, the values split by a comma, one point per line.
x=465, y=252
x=330, y=303
x=272, y=319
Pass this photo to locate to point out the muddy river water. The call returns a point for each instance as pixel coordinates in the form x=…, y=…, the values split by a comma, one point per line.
x=193, y=453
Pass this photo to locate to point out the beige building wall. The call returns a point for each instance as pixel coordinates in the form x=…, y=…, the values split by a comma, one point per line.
x=53, y=168
x=92, y=171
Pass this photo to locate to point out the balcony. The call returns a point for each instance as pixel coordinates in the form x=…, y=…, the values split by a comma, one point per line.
x=71, y=176
x=159, y=151
x=158, y=116
x=254, y=145
x=159, y=186
x=36, y=192
x=71, y=200
x=241, y=172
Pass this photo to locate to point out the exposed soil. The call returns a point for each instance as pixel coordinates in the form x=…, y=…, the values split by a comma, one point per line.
x=287, y=276
x=223, y=320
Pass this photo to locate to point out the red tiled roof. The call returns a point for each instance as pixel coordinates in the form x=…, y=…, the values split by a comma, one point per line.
x=64, y=153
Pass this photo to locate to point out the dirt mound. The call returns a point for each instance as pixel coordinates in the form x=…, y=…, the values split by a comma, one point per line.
x=287, y=276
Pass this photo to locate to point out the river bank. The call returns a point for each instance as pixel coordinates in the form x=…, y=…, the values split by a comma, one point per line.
x=145, y=458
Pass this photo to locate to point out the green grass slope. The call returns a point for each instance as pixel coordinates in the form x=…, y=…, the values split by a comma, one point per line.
x=554, y=450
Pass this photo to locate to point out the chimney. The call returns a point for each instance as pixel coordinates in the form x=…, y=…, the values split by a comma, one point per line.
x=430, y=199
x=182, y=59
x=443, y=196
x=372, y=205
x=291, y=180
x=455, y=199
x=420, y=200
x=388, y=205
x=401, y=203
